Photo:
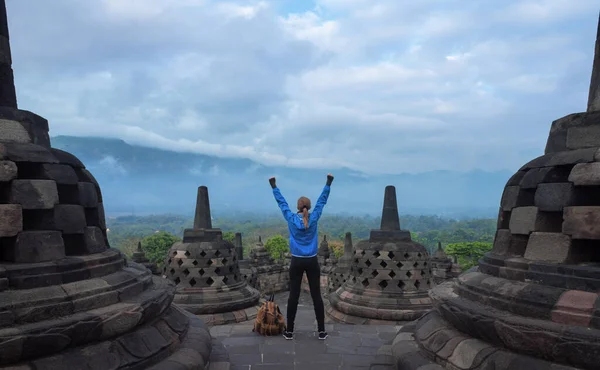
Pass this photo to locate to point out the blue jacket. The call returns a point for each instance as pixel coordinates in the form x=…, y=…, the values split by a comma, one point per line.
x=303, y=242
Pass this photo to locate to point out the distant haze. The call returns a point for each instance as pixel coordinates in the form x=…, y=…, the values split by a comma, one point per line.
x=141, y=180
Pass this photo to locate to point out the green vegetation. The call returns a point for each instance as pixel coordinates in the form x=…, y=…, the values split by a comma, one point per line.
x=468, y=253
x=465, y=239
x=277, y=245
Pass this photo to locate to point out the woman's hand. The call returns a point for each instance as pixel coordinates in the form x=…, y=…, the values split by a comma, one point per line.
x=272, y=182
x=329, y=179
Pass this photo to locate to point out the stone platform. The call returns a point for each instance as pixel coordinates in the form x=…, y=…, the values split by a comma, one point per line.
x=348, y=346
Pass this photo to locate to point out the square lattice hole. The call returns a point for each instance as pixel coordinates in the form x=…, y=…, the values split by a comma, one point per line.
x=4, y=192
x=38, y=219
x=585, y=252
x=68, y=194
x=30, y=171
x=550, y=222
x=586, y=196
x=74, y=244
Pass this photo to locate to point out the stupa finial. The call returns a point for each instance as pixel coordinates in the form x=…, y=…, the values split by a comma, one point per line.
x=8, y=95
x=594, y=97
x=390, y=221
x=202, y=218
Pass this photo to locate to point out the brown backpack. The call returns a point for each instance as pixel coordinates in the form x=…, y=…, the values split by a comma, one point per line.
x=269, y=320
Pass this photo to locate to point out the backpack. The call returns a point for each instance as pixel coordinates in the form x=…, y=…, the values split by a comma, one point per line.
x=269, y=320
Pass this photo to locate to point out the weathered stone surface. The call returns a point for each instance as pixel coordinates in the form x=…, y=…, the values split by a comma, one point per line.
x=548, y=247
x=94, y=240
x=553, y=197
x=523, y=220
x=62, y=174
x=585, y=174
x=13, y=131
x=582, y=222
x=69, y=218
x=88, y=197
x=510, y=198
x=11, y=219
x=35, y=246
x=8, y=170
x=583, y=137
x=34, y=194
x=30, y=153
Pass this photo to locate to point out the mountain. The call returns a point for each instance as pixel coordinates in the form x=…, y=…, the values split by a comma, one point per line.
x=142, y=180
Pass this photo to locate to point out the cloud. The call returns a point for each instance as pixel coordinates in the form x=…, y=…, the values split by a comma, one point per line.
x=378, y=87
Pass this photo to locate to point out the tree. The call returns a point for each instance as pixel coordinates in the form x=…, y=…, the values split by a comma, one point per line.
x=277, y=245
x=156, y=246
x=468, y=253
x=229, y=236
x=128, y=245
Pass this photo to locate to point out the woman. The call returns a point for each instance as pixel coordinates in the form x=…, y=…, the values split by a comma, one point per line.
x=304, y=244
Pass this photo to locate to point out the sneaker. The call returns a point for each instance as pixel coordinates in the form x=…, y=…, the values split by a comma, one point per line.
x=288, y=335
x=323, y=335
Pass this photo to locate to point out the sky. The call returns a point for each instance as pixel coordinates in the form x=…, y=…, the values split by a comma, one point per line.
x=381, y=87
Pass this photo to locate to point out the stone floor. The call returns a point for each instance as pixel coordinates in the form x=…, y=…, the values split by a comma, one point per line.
x=347, y=347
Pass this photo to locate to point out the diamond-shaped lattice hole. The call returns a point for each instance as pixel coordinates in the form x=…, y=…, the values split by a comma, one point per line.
x=230, y=268
x=354, y=253
x=172, y=271
x=417, y=284
x=399, y=265
x=353, y=279
x=423, y=273
x=169, y=261
x=203, y=254
x=392, y=274
x=209, y=262
x=362, y=252
x=408, y=273
x=383, y=264
x=180, y=262
x=391, y=254
x=406, y=255
x=428, y=282
x=376, y=253
x=217, y=253
x=186, y=272
x=360, y=271
x=187, y=253
x=425, y=264
x=217, y=271
x=177, y=280
x=209, y=281
x=356, y=260
x=401, y=284
x=174, y=253
x=419, y=255
x=225, y=279
x=193, y=281
x=368, y=263
x=416, y=264
x=201, y=272
x=383, y=284
x=195, y=263
x=224, y=261
x=374, y=273
x=365, y=283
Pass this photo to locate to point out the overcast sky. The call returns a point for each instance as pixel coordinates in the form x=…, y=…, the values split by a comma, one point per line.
x=385, y=86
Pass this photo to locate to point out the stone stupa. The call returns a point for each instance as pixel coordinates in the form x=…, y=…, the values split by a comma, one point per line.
x=140, y=257
x=67, y=300
x=271, y=275
x=390, y=275
x=442, y=266
x=205, y=270
x=533, y=302
x=340, y=274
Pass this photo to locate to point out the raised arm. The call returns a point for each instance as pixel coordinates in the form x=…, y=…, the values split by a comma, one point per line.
x=285, y=208
x=318, y=210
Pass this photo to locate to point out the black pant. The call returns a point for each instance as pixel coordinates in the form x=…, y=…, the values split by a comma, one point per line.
x=298, y=266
